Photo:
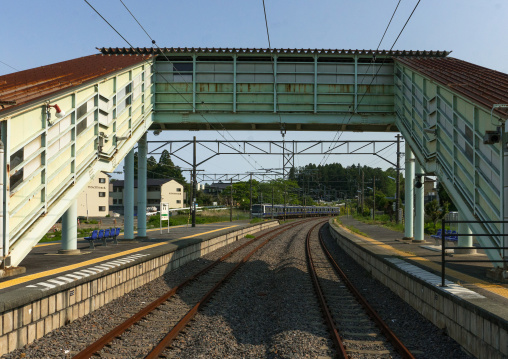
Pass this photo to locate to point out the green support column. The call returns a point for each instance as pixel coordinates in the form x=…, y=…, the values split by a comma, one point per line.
x=128, y=197
x=142, y=154
x=70, y=230
x=464, y=241
x=419, y=207
x=409, y=191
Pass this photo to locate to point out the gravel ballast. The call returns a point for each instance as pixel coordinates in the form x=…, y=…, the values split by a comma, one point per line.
x=266, y=310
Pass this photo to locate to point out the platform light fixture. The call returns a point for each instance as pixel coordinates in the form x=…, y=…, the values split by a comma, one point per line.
x=59, y=113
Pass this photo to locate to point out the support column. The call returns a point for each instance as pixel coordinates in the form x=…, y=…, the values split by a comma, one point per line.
x=142, y=155
x=128, y=197
x=419, y=207
x=464, y=241
x=409, y=191
x=70, y=230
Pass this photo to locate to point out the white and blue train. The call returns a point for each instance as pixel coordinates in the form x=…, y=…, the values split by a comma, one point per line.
x=266, y=211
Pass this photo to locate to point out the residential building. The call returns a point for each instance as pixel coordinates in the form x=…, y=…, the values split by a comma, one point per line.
x=94, y=201
x=429, y=189
x=165, y=190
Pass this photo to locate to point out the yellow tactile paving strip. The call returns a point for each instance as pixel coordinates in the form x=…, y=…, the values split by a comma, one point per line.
x=493, y=288
x=47, y=273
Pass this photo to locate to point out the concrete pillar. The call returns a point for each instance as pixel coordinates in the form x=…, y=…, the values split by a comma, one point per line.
x=409, y=191
x=70, y=230
x=142, y=154
x=128, y=197
x=464, y=241
x=419, y=207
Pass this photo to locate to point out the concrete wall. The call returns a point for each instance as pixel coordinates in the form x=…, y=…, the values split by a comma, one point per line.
x=24, y=320
x=480, y=332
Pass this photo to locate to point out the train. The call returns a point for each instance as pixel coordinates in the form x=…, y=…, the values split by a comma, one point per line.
x=266, y=211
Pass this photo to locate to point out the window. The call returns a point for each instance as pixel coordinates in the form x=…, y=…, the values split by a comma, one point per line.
x=81, y=111
x=102, y=208
x=80, y=127
x=16, y=158
x=102, y=194
x=179, y=189
x=16, y=179
x=102, y=180
x=178, y=201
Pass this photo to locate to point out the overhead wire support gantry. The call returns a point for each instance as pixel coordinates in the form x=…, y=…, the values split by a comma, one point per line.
x=288, y=149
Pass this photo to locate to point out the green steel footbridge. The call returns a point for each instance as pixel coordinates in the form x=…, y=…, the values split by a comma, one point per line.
x=450, y=113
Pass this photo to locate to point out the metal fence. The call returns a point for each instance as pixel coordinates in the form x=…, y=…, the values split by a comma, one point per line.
x=444, y=222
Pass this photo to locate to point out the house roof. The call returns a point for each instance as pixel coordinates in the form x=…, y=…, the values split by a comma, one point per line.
x=149, y=182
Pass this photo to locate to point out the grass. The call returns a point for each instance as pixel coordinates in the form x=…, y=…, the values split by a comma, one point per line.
x=256, y=220
x=351, y=228
x=381, y=220
x=154, y=222
x=201, y=218
x=250, y=236
x=356, y=230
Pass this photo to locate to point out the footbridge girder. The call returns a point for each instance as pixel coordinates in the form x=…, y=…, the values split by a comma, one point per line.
x=260, y=89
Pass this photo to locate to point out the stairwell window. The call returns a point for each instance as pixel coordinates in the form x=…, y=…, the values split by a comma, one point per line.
x=102, y=208
x=102, y=194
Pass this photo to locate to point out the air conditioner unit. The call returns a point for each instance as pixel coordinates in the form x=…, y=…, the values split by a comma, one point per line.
x=491, y=137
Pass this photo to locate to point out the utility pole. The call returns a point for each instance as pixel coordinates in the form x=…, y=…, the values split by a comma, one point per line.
x=358, y=191
x=397, y=182
x=273, y=192
x=250, y=216
x=231, y=208
x=374, y=198
x=363, y=190
x=190, y=193
x=194, y=184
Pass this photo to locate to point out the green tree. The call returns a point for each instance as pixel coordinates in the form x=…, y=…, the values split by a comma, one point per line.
x=435, y=212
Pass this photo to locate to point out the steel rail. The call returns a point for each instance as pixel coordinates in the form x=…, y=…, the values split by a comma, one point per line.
x=337, y=340
x=121, y=328
x=168, y=339
x=388, y=333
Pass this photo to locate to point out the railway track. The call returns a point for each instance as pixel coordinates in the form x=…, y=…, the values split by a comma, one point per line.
x=356, y=329
x=150, y=331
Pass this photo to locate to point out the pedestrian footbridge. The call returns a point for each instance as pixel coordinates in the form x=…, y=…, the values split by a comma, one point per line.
x=447, y=110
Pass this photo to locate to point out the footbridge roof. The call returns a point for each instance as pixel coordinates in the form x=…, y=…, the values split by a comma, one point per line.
x=27, y=86
x=481, y=85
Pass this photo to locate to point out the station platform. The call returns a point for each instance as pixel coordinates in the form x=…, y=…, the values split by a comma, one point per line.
x=59, y=288
x=44, y=262
x=471, y=308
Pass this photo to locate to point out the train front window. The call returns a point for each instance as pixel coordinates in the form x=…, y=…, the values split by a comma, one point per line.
x=257, y=208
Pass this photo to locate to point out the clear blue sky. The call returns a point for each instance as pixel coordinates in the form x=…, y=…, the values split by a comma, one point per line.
x=36, y=33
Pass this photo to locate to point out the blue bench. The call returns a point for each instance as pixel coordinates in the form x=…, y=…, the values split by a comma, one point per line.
x=452, y=237
x=92, y=238
x=103, y=235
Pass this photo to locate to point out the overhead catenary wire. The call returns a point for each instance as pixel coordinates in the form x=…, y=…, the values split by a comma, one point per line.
x=325, y=158
x=384, y=60
x=6, y=64
x=188, y=102
x=165, y=79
